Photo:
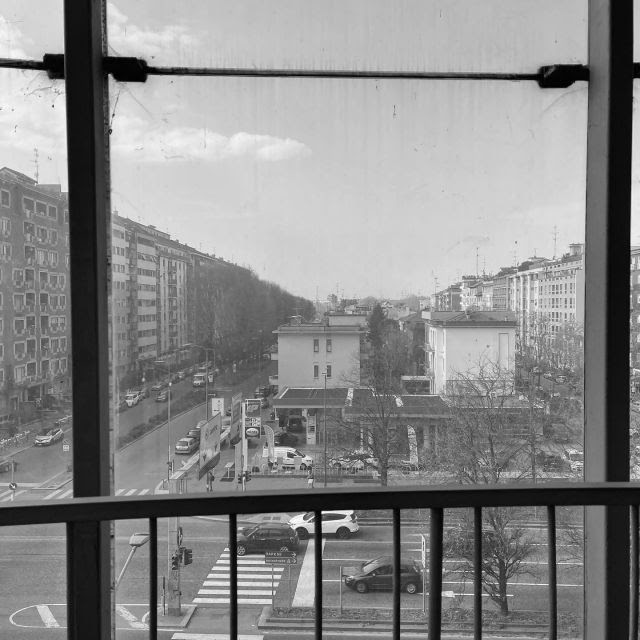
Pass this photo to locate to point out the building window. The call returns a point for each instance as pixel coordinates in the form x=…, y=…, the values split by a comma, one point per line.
x=41, y=209
x=53, y=212
x=316, y=343
x=28, y=205
x=316, y=371
x=5, y=198
x=329, y=345
x=328, y=371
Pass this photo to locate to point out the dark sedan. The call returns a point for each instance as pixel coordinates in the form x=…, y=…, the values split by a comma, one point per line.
x=267, y=536
x=377, y=575
x=285, y=439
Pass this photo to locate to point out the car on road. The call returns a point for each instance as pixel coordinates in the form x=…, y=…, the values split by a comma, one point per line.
x=163, y=396
x=267, y=536
x=285, y=439
x=158, y=386
x=561, y=379
x=132, y=398
x=194, y=433
x=50, y=437
x=377, y=575
x=635, y=405
x=185, y=446
x=342, y=524
x=181, y=375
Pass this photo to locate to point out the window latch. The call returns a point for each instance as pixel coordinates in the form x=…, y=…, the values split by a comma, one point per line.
x=123, y=69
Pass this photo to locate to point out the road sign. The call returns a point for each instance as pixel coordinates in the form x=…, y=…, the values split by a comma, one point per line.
x=424, y=551
x=280, y=554
x=289, y=560
x=13, y=486
x=66, y=447
x=280, y=557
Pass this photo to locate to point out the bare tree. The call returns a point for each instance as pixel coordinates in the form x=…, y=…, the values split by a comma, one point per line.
x=485, y=446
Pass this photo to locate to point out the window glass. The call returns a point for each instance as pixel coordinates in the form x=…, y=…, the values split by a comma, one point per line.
x=463, y=202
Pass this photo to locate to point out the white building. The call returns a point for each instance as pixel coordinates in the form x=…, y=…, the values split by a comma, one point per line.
x=459, y=343
x=307, y=350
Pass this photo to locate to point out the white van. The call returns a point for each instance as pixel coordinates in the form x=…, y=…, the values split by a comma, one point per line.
x=289, y=456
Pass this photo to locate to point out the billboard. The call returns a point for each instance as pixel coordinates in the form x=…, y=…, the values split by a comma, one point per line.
x=236, y=409
x=252, y=418
x=209, y=444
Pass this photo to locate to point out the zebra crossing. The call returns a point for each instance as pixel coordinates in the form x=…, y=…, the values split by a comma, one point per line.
x=60, y=494
x=257, y=581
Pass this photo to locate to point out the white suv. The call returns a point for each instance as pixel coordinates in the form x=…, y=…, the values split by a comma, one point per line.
x=132, y=398
x=339, y=523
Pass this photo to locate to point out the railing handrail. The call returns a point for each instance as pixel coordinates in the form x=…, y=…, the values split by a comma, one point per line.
x=106, y=508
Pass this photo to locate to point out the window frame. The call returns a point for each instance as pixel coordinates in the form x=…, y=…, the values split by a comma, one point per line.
x=606, y=336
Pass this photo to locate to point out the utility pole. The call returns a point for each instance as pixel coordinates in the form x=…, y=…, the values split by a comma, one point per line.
x=555, y=241
x=324, y=428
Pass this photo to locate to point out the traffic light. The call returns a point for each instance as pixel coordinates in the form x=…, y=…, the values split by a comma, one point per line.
x=187, y=556
x=175, y=561
x=247, y=476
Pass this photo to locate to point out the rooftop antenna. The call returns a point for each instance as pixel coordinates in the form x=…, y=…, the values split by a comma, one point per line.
x=36, y=163
x=555, y=241
x=477, y=270
x=515, y=254
x=484, y=266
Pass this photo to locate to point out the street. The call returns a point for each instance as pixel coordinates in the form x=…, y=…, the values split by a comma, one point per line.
x=34, y=564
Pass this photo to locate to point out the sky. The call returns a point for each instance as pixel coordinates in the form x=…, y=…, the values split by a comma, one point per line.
x=360, y=187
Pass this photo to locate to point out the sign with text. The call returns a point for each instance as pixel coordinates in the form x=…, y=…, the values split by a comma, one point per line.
x=270, y=441
x=209, y=444
x=252, y=418
x=280, y=557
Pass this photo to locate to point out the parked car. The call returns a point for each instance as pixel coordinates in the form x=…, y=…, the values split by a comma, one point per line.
x=132, y=398
x=288, y=455
x=267, y=536
x=575, y=458
x=377, y=575
x=163, y=396
x=353, y=464
x=561, y=379
x=285, y=439
x=50, y=437
x=227, y=411
x=342, y=524
x=186, y=446
x=158, y=386
x=294, y=423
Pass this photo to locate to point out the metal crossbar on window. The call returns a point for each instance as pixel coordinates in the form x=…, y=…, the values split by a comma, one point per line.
x=88, y=511
x=129, y=69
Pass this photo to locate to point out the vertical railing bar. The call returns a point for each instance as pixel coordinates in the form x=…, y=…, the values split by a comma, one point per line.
x=318, y=571
x=553, y=573
x=635, y=571
x=153, y=578
x=233, y=576
x=396, y=574
x=435, y=573
x=477, y=573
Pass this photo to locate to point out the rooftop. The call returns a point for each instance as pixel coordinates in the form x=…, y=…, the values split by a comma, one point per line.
x=470, y=318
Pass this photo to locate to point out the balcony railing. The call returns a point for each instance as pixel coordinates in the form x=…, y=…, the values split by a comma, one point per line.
x=77, y=513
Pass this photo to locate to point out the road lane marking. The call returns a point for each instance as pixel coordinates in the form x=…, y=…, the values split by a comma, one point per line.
x=130, y=492
x=241, y=592
x=47, y=617
x=305, y=589
x=226, y=601
x=53, y=494
x=225, y=583
x=10, y=498
x=129, y=617
x=65, y=494
x=182, y=635
x=144, y=491
x=120, y=491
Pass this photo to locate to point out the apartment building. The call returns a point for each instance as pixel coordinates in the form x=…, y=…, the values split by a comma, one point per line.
x=462, y=344
x=308, y=350
x=547, y=296
x=34, y=293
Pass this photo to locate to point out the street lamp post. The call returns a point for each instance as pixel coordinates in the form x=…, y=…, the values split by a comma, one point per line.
x=324, y=428
x=167, y=364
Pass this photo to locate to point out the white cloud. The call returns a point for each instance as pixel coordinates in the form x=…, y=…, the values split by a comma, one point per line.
x=131, y=137
x=126, y=38
x=10, y=39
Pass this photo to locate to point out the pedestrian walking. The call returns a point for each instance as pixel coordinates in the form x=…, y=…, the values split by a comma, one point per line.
x=310, y=479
